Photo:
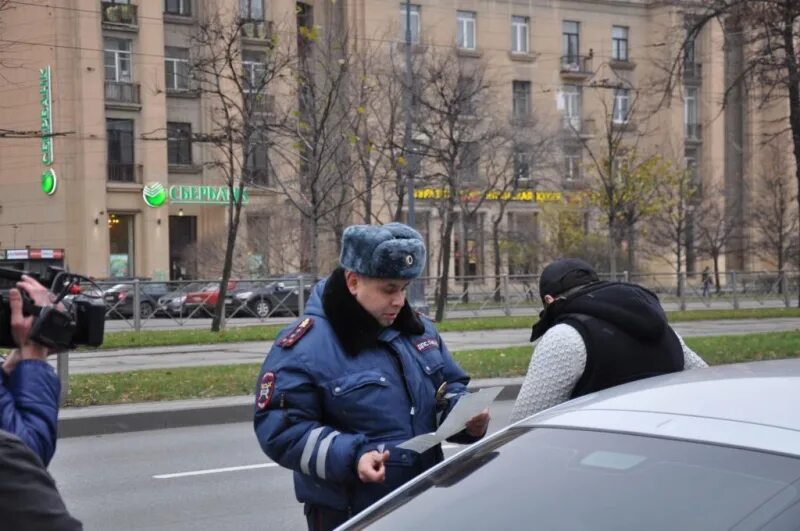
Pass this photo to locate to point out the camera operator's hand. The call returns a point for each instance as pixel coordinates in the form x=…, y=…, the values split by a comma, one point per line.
x=20, y=324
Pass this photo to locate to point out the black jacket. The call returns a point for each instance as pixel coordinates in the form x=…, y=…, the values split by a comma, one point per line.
x=625, y=332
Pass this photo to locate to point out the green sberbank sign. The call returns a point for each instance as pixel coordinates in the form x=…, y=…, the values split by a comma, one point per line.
x=155, y=195
x=48, y=180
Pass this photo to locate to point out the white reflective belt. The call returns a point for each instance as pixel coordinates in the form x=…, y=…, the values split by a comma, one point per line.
x=451, y=395
x=311, y=442
x=322, y=453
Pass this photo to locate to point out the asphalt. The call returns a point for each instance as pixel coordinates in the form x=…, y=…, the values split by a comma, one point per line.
x=98, y=420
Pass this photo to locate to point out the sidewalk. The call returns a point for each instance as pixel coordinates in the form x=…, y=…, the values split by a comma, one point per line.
x=97, y=420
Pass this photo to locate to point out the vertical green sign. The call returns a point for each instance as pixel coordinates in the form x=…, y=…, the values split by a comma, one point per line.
x=49, y=181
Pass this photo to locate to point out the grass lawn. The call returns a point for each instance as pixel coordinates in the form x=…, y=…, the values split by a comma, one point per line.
x=231, y=380
x=267, y=332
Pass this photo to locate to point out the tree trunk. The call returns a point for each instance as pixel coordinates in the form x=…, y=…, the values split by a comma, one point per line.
x=497, y=261
x=444, y=278
x=679, y=269
x=612, y=250
x=233, y=227
x=716, y=272
x=794, y=97
x=632, y=247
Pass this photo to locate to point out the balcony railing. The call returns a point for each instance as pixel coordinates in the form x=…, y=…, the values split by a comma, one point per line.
x=122, y=92
x=694, y=132
x=121, y=14
x=577, y=65
x=692, y=72
x=121, y=173
x=257, y=29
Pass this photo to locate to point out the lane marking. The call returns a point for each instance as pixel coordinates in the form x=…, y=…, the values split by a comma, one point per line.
x=245, y=467
x=214, y=471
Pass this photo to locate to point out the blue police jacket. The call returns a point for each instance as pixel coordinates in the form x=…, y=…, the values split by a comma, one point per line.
x=336, y=385
x=29, y=406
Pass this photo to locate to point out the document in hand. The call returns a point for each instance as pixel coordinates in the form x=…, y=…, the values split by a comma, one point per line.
x=467, y=407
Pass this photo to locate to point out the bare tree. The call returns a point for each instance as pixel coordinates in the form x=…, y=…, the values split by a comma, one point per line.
x=773, y=215
x=624, y=184
x=315, y=146
x=465, y=144
x=763, y=35
x=238, y=84
x=716, y=228
x=668, y=231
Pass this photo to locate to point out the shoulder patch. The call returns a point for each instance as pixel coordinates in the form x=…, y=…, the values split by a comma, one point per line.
x=265, y=391
x=298, y=332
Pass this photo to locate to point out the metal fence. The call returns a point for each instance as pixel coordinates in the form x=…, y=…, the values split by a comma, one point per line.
x=136, y=304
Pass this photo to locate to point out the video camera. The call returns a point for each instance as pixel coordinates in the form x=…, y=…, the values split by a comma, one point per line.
x=82, y=322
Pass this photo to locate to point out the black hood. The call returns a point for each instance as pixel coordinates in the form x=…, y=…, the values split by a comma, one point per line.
x=355, y=328
x=632, y=308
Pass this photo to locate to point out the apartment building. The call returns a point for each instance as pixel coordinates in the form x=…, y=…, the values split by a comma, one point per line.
x=132, y=191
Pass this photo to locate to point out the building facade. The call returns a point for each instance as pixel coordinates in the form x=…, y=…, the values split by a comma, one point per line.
x=135, y=193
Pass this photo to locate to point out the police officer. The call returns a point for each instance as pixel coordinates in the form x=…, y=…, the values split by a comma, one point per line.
x=595, y=335
x=357, y=375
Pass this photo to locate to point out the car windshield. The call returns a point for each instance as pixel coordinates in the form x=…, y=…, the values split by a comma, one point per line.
x=589, y=480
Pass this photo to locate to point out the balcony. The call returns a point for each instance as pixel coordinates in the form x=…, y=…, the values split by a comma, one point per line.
x=122, y=95
x=574, y=126
x=119, y=16
x=694, y=133
x=257, y=31
x=576, y=67
x=121, y=173
x=621, y=64
x=692, y=73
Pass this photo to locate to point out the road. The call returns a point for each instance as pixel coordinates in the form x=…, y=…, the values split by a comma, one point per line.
x=236, y=353
x=185, y=479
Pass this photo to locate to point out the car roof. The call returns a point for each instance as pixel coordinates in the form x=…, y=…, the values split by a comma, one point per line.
x=750, y=405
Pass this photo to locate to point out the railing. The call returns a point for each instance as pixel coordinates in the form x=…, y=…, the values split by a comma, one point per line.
x=121, y=173
x=166, y=304
x=124, y=14
x=257, y=29
x=122, y=92
x=576, y=64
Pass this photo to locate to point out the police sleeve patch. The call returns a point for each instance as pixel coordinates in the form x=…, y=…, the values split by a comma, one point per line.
x=265, y=391
x=298, y=332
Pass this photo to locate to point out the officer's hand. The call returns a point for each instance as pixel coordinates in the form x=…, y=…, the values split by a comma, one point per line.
x=371, y=468
x=477, y=425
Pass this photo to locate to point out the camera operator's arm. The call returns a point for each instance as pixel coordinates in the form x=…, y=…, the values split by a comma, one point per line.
x=30, y=388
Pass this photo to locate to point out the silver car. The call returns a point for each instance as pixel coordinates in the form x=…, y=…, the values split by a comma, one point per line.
x=707, y=449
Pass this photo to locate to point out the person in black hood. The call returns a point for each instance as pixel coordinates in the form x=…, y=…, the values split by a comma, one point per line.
x=594, y=335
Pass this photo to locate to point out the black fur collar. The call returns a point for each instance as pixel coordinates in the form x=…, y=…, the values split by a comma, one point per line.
x=355, y=328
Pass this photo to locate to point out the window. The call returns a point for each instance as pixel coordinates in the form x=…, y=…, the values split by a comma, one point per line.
x=253, y=70
x=621, y=106
x=572, y=165
x=415, y=23
x=179, y=143
x=465, y=30
x=468, y=252
x=619, y=43
x=176, y=68
x=690, y=112
x=251, y=9
x=119, y=135
x=522, y=99
x=468, y=162
x=466, y=96
x=571, y=41
x=522, y=164
x=178, y=7
x=117, y=60
x=257, y=166
x=571, y=96
x=519, y=34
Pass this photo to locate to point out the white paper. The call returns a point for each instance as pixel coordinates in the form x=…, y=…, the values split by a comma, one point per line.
x=467, y=407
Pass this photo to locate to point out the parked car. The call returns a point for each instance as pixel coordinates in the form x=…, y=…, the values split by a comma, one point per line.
x=202, y=303
x=172, y=303
x=119, y=298
x=706, y=449
x=265, y=299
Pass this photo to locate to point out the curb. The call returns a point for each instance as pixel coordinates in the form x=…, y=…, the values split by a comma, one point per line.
x=106, y=420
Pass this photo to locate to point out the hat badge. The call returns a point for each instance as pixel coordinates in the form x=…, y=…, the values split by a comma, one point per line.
x=409, y=260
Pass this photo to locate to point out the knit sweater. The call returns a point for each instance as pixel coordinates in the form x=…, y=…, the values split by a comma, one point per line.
x=558, y=362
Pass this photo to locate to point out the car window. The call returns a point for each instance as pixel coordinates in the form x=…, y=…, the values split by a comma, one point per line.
x=585, y=480
x=120, y=287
